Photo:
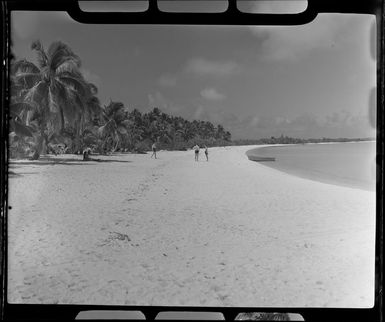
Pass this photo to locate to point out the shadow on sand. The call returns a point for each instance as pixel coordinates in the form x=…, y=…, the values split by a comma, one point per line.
x=64, y=161
x=13, y=175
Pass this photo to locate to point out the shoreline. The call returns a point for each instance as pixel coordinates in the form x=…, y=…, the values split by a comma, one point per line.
x=314, y=175
x=174, y=232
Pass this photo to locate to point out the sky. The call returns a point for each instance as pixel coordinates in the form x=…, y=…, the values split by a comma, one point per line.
x=309, y=81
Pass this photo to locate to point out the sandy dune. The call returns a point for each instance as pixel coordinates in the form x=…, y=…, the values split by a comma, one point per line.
x=171, y=231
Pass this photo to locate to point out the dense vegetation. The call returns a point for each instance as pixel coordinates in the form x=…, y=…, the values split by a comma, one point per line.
x=55, y=109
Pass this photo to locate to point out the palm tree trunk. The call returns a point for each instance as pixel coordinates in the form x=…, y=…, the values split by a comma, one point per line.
x=40, y=144
x=116, y=145
x=38, y=148
x=61, y=119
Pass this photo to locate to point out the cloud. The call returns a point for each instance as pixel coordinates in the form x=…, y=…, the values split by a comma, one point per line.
x=212, y=94
x=204, y=67
x=199, y=112
x=137, y=51
x=91, y=77
x=294, y=42
x=282, y=120
x=188, y=109
x=167, y=80
x=216, y=115
x=254, y=120
x=167, y=105
x=337, y=124
x=26, y=23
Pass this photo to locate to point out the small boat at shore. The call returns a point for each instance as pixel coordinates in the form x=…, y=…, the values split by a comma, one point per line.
x=259, y=158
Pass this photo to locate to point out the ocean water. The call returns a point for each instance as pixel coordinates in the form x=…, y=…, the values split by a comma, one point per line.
x=349, y=164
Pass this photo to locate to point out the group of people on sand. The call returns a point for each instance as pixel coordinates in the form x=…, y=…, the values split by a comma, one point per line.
x=196, y=149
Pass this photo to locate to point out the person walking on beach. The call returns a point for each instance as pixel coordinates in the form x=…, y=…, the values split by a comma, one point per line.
x=153, y=150
x=196, y=149
x=207, y=153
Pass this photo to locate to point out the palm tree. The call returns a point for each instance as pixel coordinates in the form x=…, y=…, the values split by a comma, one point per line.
x=85, y=126
x=55, y=91
x=186, y=131
x=220, y=132
x=114, y=131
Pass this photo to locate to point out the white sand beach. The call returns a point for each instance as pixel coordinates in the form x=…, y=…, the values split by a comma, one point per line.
x=171, y=231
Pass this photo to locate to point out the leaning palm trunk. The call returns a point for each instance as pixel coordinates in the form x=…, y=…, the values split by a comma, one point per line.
x=40, y=148
x=41, y=140
x=116, y=145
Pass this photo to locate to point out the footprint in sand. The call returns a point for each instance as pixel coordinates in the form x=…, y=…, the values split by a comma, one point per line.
x=113, y=282
x=223, y=297
x=71, y=285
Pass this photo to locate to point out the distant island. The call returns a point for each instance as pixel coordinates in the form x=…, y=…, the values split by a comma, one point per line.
x=289, y=140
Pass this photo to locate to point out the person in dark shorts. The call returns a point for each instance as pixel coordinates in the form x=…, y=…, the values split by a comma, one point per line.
x=196, y=149
x=153, y=150
x=86, y=155
x=207, y=153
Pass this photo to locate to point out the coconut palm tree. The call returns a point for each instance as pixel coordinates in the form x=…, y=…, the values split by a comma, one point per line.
x=187, y=131
x=85, y=126
x=54, y=90
x=114, y=131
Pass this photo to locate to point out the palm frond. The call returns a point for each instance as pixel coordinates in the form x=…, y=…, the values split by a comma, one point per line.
x=37, y=93
x=21, y=129
x=90, y=139
x=55, y=138
x=78, y=99
x=126, y=123
x=67, y=66
x=107, y=129
x=112, y=107
x=122, y=130
x=52, y=104
x=59, y=53
x=16, y=108
x=94, y=101
x=61, y=92
x=93, y=89
x=54, y=123
x=16, y=89
x=67, y=101
x=74, y=83
x=88, y=131
x=25, y=79
x=102, y=131
x=41, y=55
x=24, y=66
x=66, y=95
